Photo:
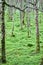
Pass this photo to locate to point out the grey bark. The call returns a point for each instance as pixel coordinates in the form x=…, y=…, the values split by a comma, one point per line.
x=11, y=14
x=37, y=30
x=28, y=10
x=22, y=14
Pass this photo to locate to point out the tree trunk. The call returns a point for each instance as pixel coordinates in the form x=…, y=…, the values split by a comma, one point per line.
x=3, y=33
x=10, y=10
x=28, y=18
x=13, y=18
x=37, y=30
x=11, y=14
x=28, y=22
x=22, y=14
x=0, y=11
x=41, y=63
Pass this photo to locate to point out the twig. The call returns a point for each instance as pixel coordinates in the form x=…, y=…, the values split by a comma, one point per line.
x=35, y=8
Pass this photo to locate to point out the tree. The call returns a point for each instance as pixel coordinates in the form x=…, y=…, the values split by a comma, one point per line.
x=22, y=14
x=10, y=10
x=11, y=14
x=41, y=63
x=13, y=18
x=37, y=29
x=28, y=10
x=3, y=33
x=41, y=4
x=0, y=10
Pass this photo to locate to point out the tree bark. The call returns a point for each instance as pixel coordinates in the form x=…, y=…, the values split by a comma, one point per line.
x=13, y=19
x=22, y=14
x=3, y=33
x=37, y=30
x=41, y=63
x=28, y=18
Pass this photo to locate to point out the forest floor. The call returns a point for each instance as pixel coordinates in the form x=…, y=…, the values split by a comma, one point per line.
x=18, y=49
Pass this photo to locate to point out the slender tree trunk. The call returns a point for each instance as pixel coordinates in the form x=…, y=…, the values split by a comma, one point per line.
x=23, y=18
x=11, y=14
x=13, y=18
x=28, y=18
x=37, y=30
x=3, y=33
x=22, y=14
x=10, y=10
x=0, y=10
x=41, y=63
x=33, y=9
x=28, y=22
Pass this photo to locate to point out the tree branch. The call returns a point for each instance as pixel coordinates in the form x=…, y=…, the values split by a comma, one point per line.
x=20, y=8
x=14, y=7
x=31, y=3
x=35, y=9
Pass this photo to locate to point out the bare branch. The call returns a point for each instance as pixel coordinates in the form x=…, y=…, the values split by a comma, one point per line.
x=14, y=7
x=31, y=3
x=20, y=8
x=35, y=9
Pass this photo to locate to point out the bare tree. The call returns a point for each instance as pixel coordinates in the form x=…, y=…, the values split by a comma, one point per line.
x=10, y=10
x=28, y=10
x=22, y=14
x=13, y=19
x=37, y=30
x=11, y=14
x=3, y=33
